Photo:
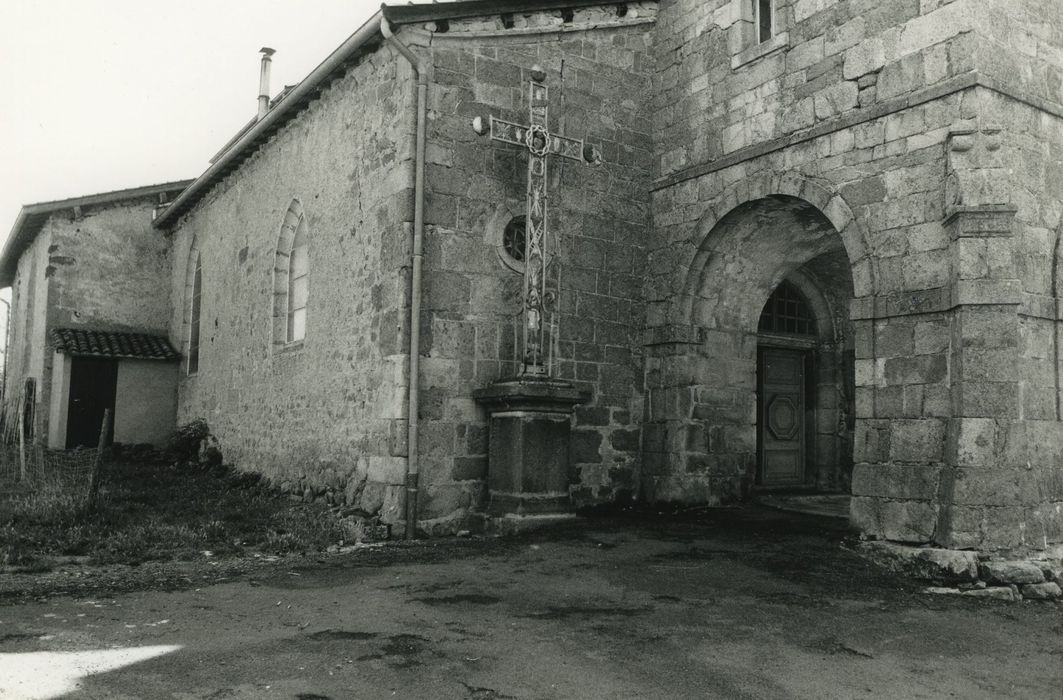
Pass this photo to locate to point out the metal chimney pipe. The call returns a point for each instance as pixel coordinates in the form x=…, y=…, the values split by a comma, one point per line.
x=263, y=81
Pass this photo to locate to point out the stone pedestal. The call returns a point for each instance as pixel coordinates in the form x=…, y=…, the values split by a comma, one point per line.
x=528, y=453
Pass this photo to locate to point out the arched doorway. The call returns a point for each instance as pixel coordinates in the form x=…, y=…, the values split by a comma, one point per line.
x=704, y=434
x=805, y=383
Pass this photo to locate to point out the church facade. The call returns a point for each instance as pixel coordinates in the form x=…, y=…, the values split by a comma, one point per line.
x=820, y=252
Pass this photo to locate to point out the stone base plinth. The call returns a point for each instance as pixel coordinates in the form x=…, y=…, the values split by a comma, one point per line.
x=528, y=466
x=970, y=573
x=514, y=524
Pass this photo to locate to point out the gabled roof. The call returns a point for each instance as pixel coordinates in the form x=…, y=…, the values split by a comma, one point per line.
x=365, y=40
x=31, y=219
x=79, y=342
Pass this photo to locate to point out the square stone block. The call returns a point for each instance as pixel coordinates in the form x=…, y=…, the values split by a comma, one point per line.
x=900, y=521
x=917, y=440
x=530, y=445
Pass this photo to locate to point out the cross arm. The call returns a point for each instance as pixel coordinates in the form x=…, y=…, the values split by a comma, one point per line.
x=509, y=132
x=574, y=149
x=532, y=138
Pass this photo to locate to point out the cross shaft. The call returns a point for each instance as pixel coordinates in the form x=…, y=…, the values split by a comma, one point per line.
x=540, y=143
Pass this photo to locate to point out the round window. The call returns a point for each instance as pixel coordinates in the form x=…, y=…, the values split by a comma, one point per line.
x=513, y=238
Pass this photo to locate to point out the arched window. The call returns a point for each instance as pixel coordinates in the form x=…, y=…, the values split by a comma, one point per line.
x=291, y=278
x=194, y=291
x=787, y=312
x=298, y=278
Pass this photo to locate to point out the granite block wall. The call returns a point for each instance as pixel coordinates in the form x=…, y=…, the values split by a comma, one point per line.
x=598, y=63
x=933, y=177
x=324, y=418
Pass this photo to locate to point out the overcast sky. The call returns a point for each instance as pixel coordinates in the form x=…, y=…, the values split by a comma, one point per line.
x=99, y=95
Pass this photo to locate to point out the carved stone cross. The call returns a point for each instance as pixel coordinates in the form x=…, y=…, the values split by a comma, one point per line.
x=541, y=144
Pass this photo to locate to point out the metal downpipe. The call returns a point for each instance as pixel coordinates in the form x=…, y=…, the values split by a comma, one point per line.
x=412, y=434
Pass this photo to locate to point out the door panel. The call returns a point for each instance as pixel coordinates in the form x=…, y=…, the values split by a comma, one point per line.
x=93, y=385
x=781, y=417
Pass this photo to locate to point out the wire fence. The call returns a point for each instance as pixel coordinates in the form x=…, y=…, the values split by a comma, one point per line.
x=27, y=466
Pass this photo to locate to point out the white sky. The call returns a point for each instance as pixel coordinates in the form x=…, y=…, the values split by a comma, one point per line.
x=100, y=95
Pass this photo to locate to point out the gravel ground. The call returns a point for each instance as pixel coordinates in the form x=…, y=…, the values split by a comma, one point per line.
x=735, y=603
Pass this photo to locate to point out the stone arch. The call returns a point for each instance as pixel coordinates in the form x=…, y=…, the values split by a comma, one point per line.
x=702, y=415
x=853, y=232
x=293, y=229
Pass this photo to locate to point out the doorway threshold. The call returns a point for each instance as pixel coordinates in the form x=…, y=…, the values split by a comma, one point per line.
x=827, y=505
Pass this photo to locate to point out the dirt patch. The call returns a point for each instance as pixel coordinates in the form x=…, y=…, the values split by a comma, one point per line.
x=400, y=651
x=795, y=600
x=340, y=635
x=475, y=693
x=471, y=598
x=832, y=645
x=586, y=611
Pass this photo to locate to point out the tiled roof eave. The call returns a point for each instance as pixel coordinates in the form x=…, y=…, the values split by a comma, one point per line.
x=80, y=342
x=117, y=356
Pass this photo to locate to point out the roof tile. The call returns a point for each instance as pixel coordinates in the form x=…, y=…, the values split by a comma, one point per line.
x=138, y=346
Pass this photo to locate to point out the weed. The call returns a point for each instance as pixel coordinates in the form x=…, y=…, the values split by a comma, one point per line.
x=185, y=442
x=160, y=511
x=48, y=506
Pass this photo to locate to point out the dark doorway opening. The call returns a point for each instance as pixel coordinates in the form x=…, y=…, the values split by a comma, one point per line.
x=787, y=346
x=93, y=386
x=782, y=405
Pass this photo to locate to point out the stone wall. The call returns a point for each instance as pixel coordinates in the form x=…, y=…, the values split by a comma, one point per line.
x=598, y=65
x=108, y=270
x=145, y=402
x=855, y=109
x=27, y=355
x=1019, y=45
x=1005, y=442
x=324, y=417
x=101, y=267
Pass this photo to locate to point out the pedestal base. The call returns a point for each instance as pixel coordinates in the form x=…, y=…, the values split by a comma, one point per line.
x=516, y=524
x=528, y=470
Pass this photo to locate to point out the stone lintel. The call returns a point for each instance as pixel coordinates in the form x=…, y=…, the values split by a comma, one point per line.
x=985, y=221
x=673, y=334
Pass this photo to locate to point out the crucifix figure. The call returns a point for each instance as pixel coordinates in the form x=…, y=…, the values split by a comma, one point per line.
x=541, y=144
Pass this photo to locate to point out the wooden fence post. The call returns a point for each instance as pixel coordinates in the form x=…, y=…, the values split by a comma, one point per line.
x=21, y=427
x=94, y=482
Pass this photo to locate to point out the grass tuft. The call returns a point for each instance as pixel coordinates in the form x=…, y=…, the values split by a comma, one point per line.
x=159, y=512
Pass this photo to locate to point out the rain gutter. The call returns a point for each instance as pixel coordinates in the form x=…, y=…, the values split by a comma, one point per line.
x=412, y=456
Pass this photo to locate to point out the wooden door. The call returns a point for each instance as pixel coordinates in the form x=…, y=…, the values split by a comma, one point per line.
x=93, y=385
x=781, y=417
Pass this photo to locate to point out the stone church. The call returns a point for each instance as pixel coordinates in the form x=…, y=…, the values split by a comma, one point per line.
x=677, y=251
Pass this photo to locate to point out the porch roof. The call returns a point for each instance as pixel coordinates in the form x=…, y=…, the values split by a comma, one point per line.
x=80, y=342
